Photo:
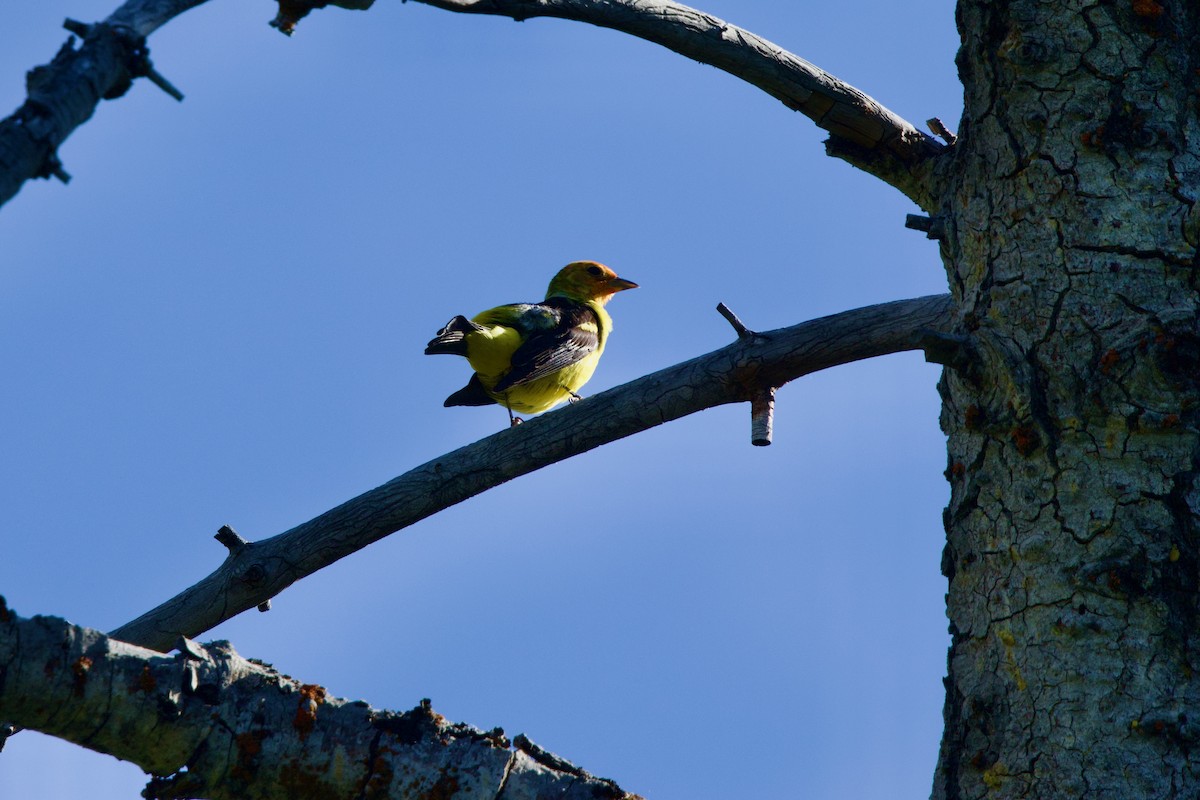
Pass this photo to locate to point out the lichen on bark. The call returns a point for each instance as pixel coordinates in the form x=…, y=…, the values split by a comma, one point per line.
x=1072, y=549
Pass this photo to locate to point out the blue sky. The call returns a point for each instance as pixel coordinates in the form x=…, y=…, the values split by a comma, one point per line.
x=221, y=320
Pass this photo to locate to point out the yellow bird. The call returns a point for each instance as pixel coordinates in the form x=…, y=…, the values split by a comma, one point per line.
x=529, y=357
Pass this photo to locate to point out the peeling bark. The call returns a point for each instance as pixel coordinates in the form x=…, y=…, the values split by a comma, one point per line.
x=208, y=723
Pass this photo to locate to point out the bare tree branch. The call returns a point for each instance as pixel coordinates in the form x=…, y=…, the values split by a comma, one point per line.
x=292, y=11
x=863, y=132
x=211, y=724
x=254, y=572
x=63, y=94
x=144, y=17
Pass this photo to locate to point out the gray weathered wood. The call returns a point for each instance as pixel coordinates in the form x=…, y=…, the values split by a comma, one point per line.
x=144, y=17
x=864, y=132
x=245, y=731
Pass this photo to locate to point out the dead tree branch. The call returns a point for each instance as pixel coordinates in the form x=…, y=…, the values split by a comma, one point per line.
x=63, y=94
x=254, y=572
x=207, y=723
x=862, y=131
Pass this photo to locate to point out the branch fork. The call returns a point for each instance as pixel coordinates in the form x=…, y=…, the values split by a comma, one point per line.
x=762, y=402
x=138, y=62
x=707, y=381
x=251, y=576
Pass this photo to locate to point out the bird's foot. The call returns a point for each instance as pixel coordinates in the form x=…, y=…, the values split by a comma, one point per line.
x=514, y=422
x=574, y=398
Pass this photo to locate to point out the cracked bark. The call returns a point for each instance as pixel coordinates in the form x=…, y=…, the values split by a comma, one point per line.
x=1072, y=544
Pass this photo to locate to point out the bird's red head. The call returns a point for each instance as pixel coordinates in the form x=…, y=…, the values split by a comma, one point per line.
x=587, y=280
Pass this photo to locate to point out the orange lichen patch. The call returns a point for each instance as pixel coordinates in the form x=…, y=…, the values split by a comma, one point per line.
x=1148, y=8
x=146, y=682
x=1025, y=438
x=446, y=788
x=1108, y=361
x=80, y=670
x=1093, y=138
x=1114, y=581
x=249, y=746
x=311, y=696
x=313, y=692
x=379, y=780
x=426, y=706
x=1170, y=421
x=297, y=779
x=973, y=418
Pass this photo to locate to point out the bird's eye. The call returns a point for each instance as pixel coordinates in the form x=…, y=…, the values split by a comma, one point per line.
x=594, y=270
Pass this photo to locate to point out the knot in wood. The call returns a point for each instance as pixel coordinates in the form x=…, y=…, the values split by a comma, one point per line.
x=254, y=575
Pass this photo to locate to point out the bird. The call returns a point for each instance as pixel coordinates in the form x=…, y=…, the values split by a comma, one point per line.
x=529, y=357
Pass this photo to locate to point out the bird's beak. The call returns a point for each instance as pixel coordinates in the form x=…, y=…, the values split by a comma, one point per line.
x=620, y=284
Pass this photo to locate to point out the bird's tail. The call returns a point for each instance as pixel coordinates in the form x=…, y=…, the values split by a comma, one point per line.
x=452, y=339
x=473, y=394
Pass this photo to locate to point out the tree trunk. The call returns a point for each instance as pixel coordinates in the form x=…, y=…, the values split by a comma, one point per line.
x=1072, y=544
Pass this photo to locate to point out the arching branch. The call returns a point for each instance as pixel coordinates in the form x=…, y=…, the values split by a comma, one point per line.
x=254, y=572
x=208, y=723
x=144, y=17
x=863, y=132
x=63, y=95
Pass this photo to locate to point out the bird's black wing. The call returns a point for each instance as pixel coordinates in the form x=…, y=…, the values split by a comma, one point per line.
x=546, y=351
x=452, y=338
x=473, y=394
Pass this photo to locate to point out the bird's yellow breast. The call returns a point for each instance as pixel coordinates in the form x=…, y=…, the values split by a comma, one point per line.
x=545, y=393
x=490, y=352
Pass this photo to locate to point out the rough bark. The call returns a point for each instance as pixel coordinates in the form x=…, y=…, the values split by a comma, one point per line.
x=1072, y=541
x=208, y=723
x=255, y=572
